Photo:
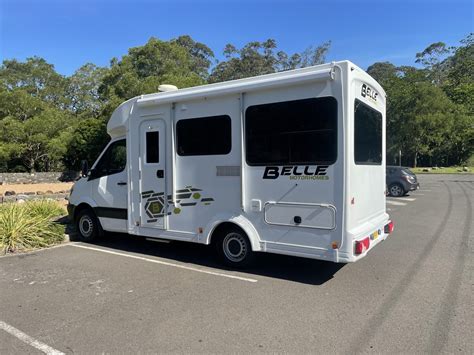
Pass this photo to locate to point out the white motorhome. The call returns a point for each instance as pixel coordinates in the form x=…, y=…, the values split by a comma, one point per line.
x=290, y=163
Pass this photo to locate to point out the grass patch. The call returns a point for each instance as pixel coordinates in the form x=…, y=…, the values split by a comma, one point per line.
x=449, y=170
x=30, y=225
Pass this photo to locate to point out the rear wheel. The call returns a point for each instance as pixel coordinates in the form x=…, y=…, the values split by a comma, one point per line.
x=234, y=248
x=396, y=190
x=88, y=226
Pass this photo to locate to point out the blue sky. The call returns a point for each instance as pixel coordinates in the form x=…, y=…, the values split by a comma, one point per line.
x=70, y=33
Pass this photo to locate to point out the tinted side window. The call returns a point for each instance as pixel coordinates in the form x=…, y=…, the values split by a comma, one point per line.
x=113, y=161
x=367, y=135
x=152, y=147
x=204, y=136
x=292, y=132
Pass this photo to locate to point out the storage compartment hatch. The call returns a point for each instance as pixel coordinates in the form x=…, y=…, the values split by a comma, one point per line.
x=319, y=216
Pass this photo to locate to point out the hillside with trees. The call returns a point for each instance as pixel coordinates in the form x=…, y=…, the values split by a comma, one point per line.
x=51, y=122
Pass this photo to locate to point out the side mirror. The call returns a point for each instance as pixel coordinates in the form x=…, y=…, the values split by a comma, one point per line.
x=84, y=168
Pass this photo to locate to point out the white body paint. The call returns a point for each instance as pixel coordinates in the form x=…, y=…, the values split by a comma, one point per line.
x=347, y=206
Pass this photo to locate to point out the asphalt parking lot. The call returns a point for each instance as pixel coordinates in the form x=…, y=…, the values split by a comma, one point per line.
x=411, y=294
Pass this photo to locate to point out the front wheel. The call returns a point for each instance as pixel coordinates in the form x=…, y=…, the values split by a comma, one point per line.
x=234, y=249
x=87, y=226
x=396, y=190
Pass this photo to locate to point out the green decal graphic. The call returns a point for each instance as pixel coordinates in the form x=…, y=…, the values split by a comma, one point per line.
x=155, y=207
x=156, y=201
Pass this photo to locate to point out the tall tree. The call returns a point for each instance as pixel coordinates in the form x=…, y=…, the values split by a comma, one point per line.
x=83, y=90
x=459, y=85
x=432, y=58
x=36, y=77
x=258, y=58
x=144, y=68
x=201, y=55
x=20, y=104
x=383, y=72
x=31, y=140
x=87, y=140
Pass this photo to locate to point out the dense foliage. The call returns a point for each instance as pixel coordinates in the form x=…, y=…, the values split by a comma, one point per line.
x=430, y=110
x=52, y=122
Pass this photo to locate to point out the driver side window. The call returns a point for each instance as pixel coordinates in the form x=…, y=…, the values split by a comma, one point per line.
x=113, y=161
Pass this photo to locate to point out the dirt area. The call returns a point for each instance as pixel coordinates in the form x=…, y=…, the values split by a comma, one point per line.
x=22, y=188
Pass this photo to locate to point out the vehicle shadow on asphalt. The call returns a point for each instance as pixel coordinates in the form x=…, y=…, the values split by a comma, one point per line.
x=301, y=270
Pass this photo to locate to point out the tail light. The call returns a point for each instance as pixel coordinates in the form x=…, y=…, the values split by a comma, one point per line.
x=389, y=227
x=362, y=245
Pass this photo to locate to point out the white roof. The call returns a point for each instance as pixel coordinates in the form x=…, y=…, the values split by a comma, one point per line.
x=116, y=125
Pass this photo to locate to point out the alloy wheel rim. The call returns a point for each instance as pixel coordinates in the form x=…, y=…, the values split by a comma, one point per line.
x=396, y=190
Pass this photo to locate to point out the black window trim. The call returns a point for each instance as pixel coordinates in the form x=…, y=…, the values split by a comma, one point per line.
x=223, y=115
x=299, y=163
x=146, y=162
x=354, y=155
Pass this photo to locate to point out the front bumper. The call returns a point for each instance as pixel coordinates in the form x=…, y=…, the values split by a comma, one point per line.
x=412, y=186
x=70, y=211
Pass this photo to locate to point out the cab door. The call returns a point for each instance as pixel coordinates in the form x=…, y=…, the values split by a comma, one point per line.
x=152, y=184
x=108, y=179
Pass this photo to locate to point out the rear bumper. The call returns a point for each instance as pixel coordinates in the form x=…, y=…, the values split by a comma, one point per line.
x=376, y=233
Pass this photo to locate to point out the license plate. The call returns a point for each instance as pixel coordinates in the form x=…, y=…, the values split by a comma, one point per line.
x=374, y=235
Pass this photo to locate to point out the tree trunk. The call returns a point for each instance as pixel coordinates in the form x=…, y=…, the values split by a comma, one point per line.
x=415, y=159
x=32, y=165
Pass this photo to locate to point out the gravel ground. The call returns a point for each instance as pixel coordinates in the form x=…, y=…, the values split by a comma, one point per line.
x=22, y=188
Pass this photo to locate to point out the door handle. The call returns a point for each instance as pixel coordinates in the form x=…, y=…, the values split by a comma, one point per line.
x=121, y=183
x=160, y=174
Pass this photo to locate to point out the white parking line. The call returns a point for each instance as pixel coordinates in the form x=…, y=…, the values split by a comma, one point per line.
x=165, y=263
x=395, y=203
x=29, y=340
x=407, y=199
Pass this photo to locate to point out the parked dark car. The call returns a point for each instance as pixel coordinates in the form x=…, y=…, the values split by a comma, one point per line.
x=400, y=181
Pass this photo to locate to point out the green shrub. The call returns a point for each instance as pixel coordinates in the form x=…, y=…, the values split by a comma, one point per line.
x=29, y=225
x=45, y=208
x=470, y=161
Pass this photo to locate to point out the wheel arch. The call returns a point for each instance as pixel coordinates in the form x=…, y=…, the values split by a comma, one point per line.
x=240, y=222
x=81, y=204
x=81, y=207
x=85, y=206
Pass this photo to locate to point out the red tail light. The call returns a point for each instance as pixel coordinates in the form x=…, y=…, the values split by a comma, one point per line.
x=389, y=227
x=362, y=245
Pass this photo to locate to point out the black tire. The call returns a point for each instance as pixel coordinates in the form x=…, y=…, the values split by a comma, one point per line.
x=234, y=248
x=88, y=226
x=396, y=190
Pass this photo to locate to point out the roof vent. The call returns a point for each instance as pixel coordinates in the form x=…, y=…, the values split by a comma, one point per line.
x=166, y=87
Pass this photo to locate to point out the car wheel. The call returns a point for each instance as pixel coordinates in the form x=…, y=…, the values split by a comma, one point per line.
x=88, y=226
x=396, y=190
x=234, y=248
